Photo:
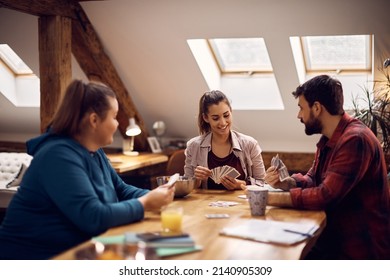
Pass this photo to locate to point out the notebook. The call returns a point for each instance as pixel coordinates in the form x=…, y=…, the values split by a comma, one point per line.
x=277, y=232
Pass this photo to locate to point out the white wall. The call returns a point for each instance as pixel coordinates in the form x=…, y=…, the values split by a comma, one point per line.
x=147, y=42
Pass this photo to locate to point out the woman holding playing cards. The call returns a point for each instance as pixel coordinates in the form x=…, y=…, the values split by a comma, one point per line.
x=220, y=157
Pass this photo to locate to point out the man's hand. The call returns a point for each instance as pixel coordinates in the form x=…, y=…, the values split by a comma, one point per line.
x=272, y=178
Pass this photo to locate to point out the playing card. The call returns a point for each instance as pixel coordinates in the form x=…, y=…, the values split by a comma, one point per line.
x=281, y=167
x=218, y=172
x=283, y=172
x=233, y=173
x=224, y=169
x=275, y=161
x=221, y=203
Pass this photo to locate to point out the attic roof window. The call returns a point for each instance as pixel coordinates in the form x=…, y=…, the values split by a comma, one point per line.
x=241, y=55
x=337, y=53
x=18, y=83
x=243, y=71
x=13, y=61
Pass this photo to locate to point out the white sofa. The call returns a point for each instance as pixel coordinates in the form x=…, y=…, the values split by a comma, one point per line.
x=12, y=168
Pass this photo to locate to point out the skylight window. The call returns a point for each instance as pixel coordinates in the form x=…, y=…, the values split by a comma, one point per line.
x=241, y=68
x=18, y=83
x=337, y=53
x=241, y=55
x=347, y=58
x=13, y=61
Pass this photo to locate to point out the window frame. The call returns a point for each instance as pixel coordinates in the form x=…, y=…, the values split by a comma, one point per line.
x=249, y=72
x=13, y=61
x=344, y=68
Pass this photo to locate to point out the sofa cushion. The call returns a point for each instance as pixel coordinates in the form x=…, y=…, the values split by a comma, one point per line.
x=18, y=178
x=13, y=166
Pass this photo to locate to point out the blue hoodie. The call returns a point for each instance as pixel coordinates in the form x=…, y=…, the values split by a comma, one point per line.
x=67, y=196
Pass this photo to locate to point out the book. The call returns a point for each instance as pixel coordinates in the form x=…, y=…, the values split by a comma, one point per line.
x=284, y=233
x=160, y=251
x=152, y=235
x=172, y=242
x=112, y=239
x=166, y=252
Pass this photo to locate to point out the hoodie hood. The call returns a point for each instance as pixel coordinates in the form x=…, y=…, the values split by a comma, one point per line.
x=35, y=144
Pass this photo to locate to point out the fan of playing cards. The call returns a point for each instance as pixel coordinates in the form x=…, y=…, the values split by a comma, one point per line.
x=218, y=172
x=279, y=165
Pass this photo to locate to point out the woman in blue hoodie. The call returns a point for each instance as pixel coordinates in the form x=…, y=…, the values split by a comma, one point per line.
x=70, y=193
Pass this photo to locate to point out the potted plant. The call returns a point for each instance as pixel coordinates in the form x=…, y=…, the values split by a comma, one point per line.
x=376, y=111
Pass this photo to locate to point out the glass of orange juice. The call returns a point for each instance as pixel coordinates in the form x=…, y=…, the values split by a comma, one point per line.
x=171, y=219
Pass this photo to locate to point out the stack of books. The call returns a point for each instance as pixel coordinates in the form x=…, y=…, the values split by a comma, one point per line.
x=164, y=245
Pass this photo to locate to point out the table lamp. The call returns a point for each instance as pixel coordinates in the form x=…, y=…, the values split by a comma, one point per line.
x=128, y=144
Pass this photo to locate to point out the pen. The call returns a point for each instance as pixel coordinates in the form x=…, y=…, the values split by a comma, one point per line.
x=298, y=232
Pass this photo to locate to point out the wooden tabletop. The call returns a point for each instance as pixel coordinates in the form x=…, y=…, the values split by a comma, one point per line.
x=205, y=231
x=124, y=163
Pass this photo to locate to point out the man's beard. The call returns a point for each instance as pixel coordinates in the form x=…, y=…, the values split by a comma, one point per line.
x=313, y=125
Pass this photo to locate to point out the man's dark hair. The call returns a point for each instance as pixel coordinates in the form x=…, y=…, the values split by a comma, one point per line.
x=325, y=90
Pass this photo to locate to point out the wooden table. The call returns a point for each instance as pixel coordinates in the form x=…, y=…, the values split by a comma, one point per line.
x=205, y=232
x=123, y=163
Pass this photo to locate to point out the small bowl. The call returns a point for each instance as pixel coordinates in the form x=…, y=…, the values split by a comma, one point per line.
x=183, y=186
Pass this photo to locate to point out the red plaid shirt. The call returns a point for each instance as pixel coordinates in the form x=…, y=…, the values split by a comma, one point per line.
x=348, y=181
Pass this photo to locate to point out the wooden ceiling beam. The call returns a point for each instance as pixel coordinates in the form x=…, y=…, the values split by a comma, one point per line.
x=89, y=52
x=55, y=41
x=41, y=7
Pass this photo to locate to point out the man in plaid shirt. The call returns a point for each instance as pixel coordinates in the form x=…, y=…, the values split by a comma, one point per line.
x=347, y=179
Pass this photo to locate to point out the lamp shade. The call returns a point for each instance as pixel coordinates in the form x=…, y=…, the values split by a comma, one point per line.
x=133, y=129
x=159, y=128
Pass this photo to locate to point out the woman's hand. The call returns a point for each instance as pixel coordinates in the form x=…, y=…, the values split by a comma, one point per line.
x=157, y=198
x=202, y=173
x=232, y=184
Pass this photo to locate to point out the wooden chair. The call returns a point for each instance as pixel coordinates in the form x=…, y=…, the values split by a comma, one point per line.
x=175, y=163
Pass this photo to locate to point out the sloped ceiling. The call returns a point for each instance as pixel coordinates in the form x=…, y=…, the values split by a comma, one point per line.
x=146, y=41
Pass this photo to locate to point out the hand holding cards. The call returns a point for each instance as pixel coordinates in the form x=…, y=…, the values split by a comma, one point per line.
x=172, y=180
x=221, y=171
x=280, y=167
x=168, y=181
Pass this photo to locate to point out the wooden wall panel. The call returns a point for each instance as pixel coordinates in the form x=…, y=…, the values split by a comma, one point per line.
x=295, y=162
